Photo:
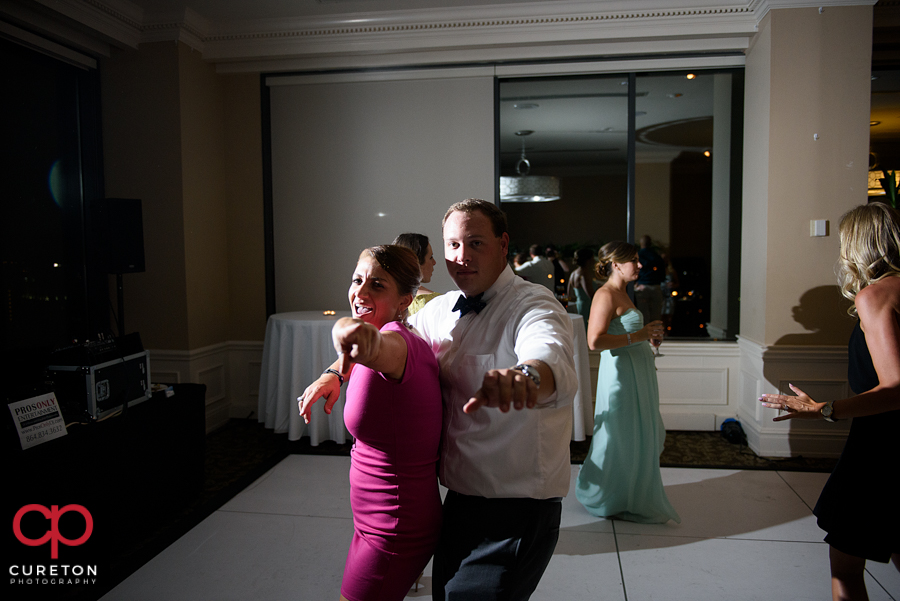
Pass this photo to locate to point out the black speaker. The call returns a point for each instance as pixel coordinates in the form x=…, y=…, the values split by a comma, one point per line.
x=118, y=231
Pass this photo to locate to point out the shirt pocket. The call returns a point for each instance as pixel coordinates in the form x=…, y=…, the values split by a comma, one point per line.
x=466, y=377
x=468, y=373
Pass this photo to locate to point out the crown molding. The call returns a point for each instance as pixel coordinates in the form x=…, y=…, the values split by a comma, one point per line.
x=495, y=26
x=485, y=33
x=564, y=28
x=185, y=26
x=762, y=7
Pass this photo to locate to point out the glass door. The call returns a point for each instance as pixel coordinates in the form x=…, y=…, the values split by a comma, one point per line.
x=575, y=174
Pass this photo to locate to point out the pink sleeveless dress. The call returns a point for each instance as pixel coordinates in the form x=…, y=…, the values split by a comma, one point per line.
x=393, y=474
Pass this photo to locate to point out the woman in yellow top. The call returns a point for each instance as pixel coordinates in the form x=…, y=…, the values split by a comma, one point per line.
x=418, y=243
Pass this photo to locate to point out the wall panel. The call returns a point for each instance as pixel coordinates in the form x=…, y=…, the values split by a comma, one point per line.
x=354, y=163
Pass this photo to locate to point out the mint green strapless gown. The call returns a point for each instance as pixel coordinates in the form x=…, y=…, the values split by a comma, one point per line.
x=620, y=477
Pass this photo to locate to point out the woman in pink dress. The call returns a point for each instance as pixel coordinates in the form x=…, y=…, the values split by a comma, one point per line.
x=393, y=411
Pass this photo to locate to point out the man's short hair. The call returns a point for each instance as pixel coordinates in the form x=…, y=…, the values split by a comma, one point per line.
x=489, y=209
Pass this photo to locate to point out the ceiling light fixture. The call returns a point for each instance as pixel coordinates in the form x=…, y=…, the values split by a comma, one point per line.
x=528, y=188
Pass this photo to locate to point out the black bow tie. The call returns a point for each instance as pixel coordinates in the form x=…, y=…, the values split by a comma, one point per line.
x=472, y=303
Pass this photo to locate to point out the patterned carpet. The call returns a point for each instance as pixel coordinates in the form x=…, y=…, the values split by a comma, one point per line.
x=712, y=450
x=242, y=444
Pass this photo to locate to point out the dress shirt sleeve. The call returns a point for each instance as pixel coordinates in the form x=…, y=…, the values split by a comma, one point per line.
x=544, y=333
x=527, y=271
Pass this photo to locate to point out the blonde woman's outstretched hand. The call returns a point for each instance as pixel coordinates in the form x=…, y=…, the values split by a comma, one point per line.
x=797, y=407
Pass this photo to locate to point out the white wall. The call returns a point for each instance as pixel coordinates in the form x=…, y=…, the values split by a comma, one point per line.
x=344, y=152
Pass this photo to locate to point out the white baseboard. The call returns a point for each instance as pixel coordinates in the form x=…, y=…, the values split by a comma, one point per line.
x=820, y=371
x=230, y=371
x=698, y=383
x=701, y=385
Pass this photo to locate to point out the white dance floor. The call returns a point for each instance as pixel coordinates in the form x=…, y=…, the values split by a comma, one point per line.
x=744, y=535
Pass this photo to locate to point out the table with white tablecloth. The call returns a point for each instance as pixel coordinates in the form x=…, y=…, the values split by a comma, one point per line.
x=583, y=406
x=297, y=350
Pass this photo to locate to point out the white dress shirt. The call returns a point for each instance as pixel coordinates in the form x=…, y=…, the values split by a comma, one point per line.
x=540, y=271
x=489, y=453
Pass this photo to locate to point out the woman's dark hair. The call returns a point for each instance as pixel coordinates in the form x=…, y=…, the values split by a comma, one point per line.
x=614, y=252
x=400, y=263
x=584, y=257
x=418, y=243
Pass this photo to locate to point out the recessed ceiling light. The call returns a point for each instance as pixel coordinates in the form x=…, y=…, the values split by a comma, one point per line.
x=707, y=153
x=874, y=123
x=690, y=76
x=525, y=105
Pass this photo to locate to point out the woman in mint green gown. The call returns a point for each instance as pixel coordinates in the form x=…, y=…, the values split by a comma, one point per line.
x=620, y=477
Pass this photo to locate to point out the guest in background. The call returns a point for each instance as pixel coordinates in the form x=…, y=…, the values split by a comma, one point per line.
x=538, y=269
x=858, y=506
x=581, y=283
x=418, y=243
x=648, y=290
x=393, y=411
x=620, y=477
x=669, y=287
x=520, y=259
x=560, y=268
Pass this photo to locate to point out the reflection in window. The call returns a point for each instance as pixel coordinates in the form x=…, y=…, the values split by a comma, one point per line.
x=686, y=184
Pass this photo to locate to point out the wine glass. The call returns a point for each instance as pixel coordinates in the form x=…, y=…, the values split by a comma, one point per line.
x=654, y=344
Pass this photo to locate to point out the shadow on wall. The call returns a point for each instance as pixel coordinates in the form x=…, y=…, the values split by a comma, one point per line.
x=823, y=313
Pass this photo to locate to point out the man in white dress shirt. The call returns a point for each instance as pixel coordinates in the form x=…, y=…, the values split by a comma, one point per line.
x=501, y=343
x=539, y=269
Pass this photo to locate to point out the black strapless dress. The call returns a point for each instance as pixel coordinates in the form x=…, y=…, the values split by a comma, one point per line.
x=858, y=507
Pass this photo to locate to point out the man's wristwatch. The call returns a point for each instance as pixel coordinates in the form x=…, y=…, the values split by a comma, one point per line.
x=827, y=410
x=530, y=372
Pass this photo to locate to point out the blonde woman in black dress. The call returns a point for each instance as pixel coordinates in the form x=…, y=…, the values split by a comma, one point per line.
x=858, y=506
